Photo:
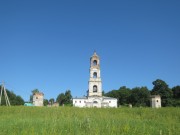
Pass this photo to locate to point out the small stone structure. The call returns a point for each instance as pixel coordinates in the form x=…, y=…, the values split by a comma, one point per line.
x=38, y=99
x=53, y=105
x=155, y=101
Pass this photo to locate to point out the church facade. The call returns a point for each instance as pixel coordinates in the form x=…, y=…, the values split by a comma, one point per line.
x=94, y=96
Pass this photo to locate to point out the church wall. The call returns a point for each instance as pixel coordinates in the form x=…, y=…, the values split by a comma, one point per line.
x=79, y=102
x=97, y=102
x=112, y=102
x=92, y=72
x=99, y=85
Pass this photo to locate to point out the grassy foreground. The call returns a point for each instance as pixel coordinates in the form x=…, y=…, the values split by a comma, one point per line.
x=89, y=121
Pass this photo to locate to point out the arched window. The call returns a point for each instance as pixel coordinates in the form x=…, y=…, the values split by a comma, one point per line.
x=94, y=88
x=94, y=62
x=95, y=102
x=94, y=75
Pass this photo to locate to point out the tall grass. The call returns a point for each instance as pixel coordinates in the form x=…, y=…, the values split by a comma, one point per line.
x=89, y=121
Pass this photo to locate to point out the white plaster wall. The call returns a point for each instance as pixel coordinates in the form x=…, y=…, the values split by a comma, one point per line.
x=154, y=102
x=79, y=102
x=95, y=70
x=99, y=85
x=90, y=102
x=113, y=103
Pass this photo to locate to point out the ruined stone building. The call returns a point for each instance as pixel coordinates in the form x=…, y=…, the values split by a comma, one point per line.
x=94, y=96
x=155, y=101
x=38, y=98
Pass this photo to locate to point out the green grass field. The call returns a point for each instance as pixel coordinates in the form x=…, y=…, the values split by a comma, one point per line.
x=89, y=121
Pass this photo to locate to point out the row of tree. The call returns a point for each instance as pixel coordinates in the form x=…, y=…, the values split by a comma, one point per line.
x=140, y=96
x=13, y=98
x=62, y=99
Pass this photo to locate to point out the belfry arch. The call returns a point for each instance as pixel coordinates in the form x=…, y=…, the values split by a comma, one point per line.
x=95, y=63
x=95, y=75
x=95, y=88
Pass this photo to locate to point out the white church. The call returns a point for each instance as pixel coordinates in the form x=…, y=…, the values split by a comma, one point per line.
x=94, y=96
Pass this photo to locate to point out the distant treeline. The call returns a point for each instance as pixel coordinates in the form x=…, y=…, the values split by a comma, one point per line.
x=140, y=96
x=62, y=99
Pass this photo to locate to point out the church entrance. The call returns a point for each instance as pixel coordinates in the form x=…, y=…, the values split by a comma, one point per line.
x=96, y=104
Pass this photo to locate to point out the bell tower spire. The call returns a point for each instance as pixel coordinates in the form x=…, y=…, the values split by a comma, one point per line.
x=95, y=83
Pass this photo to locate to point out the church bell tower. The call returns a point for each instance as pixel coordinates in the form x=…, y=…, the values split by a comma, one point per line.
x=95, y=83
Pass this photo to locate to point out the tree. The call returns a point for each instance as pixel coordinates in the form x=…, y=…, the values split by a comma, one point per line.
x=45, y=102
x=61, y=99
x=176, y=96
x=113, y=93
x=51, y=101
x=13, y=98
x=19, y=100
x=140, y=96
x=124, y=95
x=64, y=98
x=35, y=91
x=176, y=92
x=162, y=89
x=68, y=97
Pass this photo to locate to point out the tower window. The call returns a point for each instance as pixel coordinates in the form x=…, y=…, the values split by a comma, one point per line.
x=94, y=75
x=94, y=88
x=94, y=62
